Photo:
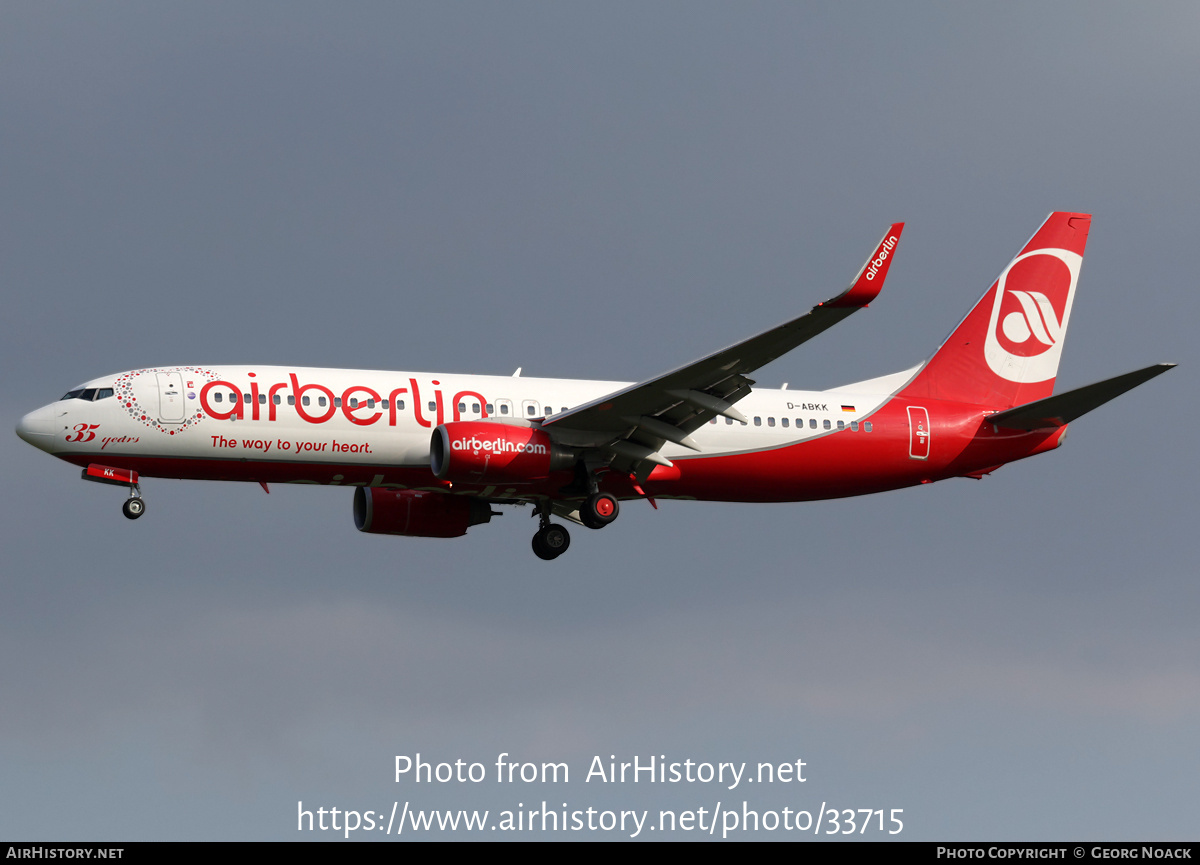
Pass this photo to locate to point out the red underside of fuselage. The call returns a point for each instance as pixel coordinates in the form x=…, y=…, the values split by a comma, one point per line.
x=843, y=463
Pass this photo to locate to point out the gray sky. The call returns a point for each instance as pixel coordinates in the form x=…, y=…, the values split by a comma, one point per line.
x=599, y=191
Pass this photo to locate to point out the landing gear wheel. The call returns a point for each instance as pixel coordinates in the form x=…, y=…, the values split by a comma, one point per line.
x=133, y=508
x=598, y=510
x=550, y=542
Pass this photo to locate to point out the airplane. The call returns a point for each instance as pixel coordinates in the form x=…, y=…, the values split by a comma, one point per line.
x=431, y=455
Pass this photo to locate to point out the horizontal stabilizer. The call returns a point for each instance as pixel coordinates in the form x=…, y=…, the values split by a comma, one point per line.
x=1060, y=410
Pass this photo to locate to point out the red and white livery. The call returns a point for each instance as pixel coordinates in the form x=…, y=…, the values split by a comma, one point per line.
x=430, y=455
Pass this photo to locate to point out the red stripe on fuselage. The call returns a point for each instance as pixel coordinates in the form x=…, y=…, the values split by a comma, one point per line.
x=840, y=463
x=850, y=463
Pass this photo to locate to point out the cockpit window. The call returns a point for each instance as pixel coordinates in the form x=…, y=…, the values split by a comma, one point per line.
x=89, y=393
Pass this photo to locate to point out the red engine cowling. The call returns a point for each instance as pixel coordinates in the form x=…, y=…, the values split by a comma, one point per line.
x=493, y=453
x=417, y=513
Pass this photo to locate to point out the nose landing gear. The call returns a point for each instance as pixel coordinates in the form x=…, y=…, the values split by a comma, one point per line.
x=134, y=506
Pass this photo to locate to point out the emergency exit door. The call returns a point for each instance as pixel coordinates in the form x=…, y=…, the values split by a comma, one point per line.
x=918, y=433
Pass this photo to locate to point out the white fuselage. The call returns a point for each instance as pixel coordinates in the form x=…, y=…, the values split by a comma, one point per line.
x=371, y=417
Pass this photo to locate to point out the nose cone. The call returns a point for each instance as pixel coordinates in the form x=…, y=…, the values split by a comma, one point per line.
x=37, y=428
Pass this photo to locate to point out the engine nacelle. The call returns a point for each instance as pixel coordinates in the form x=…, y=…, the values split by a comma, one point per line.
x=494, y=453
x=417, y=513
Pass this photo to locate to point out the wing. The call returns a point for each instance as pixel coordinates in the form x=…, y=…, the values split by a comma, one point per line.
x=631, y=425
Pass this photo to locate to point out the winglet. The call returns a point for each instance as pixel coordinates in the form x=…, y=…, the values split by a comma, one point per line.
x=869, y=281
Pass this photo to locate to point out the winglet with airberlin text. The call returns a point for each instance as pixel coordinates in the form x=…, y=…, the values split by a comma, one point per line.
x=869, y=282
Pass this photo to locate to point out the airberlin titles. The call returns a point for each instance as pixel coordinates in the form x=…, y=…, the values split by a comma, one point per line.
x=461, y=451
x=316, y=403
x=885, y=249
x=474, y=451
x=351, y=402
x=498, y=445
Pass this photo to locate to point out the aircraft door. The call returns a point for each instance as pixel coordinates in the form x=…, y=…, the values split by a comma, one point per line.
x=171, y=407
x=918, y=433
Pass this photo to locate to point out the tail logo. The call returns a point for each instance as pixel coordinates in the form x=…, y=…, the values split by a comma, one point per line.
x=1035, y=319
x=1029, y=315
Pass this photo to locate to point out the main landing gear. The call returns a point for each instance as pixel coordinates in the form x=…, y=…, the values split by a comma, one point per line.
x=598, y=510
x=551, y=541
x=595, y=512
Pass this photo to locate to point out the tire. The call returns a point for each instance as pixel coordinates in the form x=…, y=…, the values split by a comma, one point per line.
x=539, y=549
x=598, y=510
x=133, y=508
x=551, y=542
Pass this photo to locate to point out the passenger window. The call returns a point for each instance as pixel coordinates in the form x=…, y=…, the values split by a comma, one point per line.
x=530, y=410
x=217, y=396
x=475, y=407
x=321, y=401
x=827, y=424
x=564, y=408
x=399, y=405
x=462, y=407
x=353, y=402
x=304, y=400
x=854, y=426
x=549, y=411
x=490, y=409
x=291, y=399
x=770, y=421
x=867, y=426
x=757, y=420
x=728, y=421
x=812, y=423
x=275, y=399
x=262, y=399
x=503, y=409
x=783, y=421
x=841, y=424
x=714, y=420
x=337, y=402
x=432, y=405
x=370, y=403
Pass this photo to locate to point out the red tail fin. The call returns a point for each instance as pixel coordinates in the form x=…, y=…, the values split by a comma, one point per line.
x=1005, y=352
